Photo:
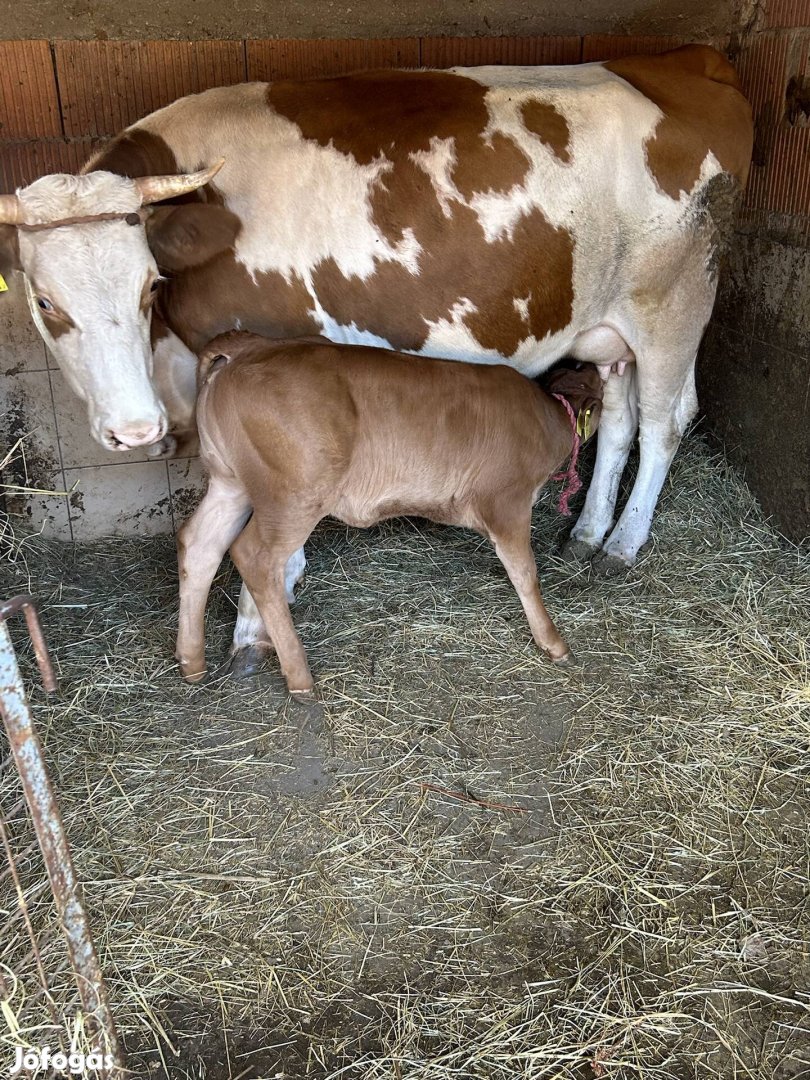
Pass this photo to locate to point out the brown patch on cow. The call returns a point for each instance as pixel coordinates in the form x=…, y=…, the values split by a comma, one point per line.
x=383, y=112
x=698, y=92
x=158, y=330
x=543, y=120
x=135, y=153
x=392, y=116
x=536, y=261
x=498, y=167
x=57, y=325
x=209, y=300
x=139, y=152
x=397, y=113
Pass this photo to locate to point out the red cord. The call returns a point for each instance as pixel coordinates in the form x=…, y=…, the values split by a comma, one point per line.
x=570, y=475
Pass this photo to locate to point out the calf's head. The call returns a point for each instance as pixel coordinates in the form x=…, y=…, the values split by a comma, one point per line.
x=581, y=385
x=92, y=249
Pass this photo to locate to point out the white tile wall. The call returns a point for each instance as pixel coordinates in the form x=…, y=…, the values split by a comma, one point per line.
x=61, y=482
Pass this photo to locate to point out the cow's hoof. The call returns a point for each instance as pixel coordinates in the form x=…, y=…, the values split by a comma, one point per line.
x=578, y=551
x=606, y=565
x=165, y=448
x=570, y=660
x=246, y=662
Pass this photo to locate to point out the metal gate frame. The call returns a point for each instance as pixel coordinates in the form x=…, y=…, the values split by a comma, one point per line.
x=26, y=750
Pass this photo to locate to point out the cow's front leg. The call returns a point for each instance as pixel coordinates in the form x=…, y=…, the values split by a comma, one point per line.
x=251, y=642
x=617, y=429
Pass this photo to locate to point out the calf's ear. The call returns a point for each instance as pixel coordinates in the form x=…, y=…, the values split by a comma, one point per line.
x=189, y=235
x=9, y=250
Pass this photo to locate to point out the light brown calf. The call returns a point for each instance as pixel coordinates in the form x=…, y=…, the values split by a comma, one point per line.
x=296, y=431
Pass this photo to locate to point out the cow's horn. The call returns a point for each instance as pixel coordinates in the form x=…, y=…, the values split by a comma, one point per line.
x=10, y=210
x=157, y=188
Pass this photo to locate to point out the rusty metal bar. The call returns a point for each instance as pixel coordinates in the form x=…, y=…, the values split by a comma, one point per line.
x=27, y=751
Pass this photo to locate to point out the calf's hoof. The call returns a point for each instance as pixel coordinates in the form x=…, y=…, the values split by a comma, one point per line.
x=570, y=660
x=578, y=551
x=247, y=661
x=193, y=676
x=606, y=565
x=307, y=710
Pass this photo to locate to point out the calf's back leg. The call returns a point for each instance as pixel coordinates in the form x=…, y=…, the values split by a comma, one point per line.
x=513, y=547
x=251, y=641
x=261, y=553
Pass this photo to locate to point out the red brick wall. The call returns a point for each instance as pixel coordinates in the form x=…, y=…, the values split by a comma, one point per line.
x=754, y=372
x=59, y=100
x=774, y=61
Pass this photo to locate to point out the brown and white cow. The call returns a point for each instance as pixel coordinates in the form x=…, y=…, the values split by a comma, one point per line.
x=292, y=432
x=493, y=214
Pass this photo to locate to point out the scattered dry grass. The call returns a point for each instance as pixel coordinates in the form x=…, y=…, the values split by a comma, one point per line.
x=272, y=902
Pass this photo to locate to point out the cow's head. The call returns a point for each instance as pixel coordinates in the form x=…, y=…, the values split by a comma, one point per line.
x=91, y=283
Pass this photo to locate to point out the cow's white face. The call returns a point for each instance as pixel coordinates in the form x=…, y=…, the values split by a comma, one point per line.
x=90, y=288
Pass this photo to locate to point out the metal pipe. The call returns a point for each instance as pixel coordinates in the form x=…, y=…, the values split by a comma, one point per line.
x=28, y=757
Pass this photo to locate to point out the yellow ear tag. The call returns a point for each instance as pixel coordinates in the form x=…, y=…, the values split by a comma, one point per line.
x=3, y=286
x=584, y=423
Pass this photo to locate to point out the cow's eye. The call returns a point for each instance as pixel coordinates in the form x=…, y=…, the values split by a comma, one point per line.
x=153, y=288
x=44, y=304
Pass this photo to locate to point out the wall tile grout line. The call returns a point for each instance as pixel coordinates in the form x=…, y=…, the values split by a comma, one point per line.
x=61, y=459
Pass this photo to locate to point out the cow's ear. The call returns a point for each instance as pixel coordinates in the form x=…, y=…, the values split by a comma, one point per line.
x=184, y=236
x=9, y=250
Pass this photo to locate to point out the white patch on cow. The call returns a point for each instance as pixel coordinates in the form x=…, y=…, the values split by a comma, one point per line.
x=521, y=306
x=457, y=343
x=340, y=332
x=175, y=377
x=295, y=174
x=438, y=163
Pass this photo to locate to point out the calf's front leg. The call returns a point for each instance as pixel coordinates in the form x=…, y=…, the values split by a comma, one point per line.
x=201, y=544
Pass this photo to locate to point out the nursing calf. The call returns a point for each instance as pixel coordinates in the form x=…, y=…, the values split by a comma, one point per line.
x=295, y=431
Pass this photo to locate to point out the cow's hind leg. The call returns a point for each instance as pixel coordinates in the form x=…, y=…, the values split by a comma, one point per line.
x=251, y=641
x=201, y=544
x=667, y=402
x=663, y=323
x=617, y=429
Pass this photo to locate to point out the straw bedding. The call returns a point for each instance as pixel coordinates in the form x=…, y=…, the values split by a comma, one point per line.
x=482, y=866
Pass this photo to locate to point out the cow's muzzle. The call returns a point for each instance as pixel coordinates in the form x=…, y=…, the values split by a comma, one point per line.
x=138, y=433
